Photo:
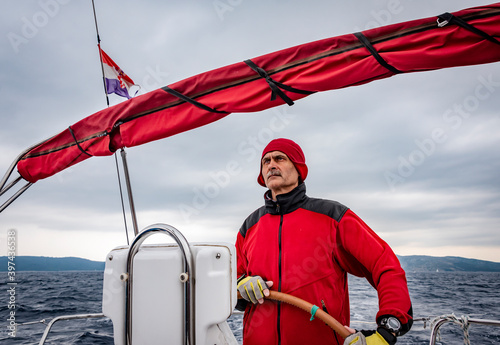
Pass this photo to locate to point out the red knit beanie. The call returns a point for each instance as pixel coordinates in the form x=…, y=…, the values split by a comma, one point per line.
x=292, y=150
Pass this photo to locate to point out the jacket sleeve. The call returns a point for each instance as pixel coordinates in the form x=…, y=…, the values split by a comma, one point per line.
x=241, y=267
x=363, y=253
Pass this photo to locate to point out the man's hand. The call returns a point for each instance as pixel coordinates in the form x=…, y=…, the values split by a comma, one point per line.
x=254, y=288
x=370, y=337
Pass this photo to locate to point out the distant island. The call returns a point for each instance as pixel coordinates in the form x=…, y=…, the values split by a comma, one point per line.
x=44, y=263
x=423, y=263
x=413, y=263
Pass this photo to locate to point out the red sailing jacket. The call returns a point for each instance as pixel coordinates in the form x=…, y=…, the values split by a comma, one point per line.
x=307, y=246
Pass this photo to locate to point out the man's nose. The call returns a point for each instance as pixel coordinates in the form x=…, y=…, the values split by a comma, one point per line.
x=272, y=164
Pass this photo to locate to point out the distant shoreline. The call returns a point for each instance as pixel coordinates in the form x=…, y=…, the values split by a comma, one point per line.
x=424, y=263
x=51, y=264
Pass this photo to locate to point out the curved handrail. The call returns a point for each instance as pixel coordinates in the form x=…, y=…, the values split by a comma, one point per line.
x=15, y=195
x=8, y=173
x=189, y=301
x=13, y=165
x=66, y=317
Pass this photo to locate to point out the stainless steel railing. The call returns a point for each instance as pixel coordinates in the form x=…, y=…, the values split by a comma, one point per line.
x=463, y=321
x=66, y=317
x=187, y=277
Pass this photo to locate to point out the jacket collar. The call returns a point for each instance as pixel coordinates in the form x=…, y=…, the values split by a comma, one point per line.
x=286, y=203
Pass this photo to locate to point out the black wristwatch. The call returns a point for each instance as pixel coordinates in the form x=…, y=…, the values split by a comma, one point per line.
x=391, y=324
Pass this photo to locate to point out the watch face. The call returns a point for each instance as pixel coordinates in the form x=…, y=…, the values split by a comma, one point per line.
x=393, y=324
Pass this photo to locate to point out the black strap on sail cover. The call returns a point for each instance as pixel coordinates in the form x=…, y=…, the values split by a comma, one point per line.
x=192, y=101
x=448, y=18
x=275, y=85
x=368, y=45
x=77, y=143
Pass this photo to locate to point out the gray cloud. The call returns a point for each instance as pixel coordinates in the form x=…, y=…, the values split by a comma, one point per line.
x=444, y=194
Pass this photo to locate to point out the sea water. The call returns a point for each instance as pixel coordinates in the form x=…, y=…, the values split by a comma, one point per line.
x=41, y=296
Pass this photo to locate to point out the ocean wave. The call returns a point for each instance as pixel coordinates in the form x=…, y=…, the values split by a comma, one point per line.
x=45, y=295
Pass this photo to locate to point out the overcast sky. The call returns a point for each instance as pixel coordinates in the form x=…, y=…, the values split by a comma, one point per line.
x=415, y=155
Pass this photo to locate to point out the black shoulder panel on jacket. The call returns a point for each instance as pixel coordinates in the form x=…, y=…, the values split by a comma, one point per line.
x=330, y=208
x=252, y=220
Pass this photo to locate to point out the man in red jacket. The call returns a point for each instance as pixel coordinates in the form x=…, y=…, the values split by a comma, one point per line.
x=305, y=247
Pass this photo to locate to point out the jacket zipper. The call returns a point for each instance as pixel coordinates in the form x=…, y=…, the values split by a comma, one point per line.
x=279, y=274
x=324, y=306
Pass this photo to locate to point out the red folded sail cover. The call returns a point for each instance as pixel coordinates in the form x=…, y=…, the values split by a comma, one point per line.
x=271, y=80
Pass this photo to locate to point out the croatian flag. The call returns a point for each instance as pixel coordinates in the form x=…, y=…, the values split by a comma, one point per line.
x=116, y=80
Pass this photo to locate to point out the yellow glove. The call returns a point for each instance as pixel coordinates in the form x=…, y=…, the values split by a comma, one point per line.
x=252, y=288
x=371, y=338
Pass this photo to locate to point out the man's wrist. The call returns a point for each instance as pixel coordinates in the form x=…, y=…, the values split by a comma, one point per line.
x=389, y=336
